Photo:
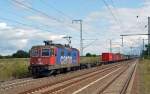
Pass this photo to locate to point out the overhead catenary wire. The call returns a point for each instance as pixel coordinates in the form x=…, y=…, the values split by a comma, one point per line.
x=19, y=22
x=59, y=11
x=37, y=27
x=62, y=13
x=90, y=44
x=27, y=25
x=117, y=19
x=22, y=18
x=111, y=12
x=39, y=11
x=23, y=24
x=117, y=13
x=45, y=14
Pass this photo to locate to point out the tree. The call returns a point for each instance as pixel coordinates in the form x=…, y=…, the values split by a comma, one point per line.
x=88, y=55
x=145, y=52
x=21, y=54
x=94, y=55
x=1, y=56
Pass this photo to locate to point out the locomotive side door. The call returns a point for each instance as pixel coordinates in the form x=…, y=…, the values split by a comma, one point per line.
x=52, y=56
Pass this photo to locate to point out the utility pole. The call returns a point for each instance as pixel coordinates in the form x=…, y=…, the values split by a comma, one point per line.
x=143, y=49
x=122, y=40
x=81, y=38
x=131, y=51
x=148, y=36
x=148, y=30
x=143, y=44
x=110, y=46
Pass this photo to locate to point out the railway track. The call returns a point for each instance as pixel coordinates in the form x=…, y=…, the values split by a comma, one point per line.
x=112, y=83
x=86, y=83
x=56, y=84
x=120, y=82
x=15, y=83
x=22, y=82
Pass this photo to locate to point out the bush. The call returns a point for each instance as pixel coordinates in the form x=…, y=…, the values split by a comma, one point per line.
x=21, y=54
x=13, y=68
x=88, y=55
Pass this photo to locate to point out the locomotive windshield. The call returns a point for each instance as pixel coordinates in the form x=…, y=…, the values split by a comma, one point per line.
x=45, y=52
x=34, y=52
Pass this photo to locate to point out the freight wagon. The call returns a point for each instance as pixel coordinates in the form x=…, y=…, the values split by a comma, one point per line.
x=113, y=57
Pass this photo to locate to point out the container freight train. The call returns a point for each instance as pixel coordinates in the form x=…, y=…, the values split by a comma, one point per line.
x=56, y=58
x=113, y=57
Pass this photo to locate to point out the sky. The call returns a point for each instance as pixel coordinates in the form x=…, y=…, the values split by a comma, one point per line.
x=24, y=23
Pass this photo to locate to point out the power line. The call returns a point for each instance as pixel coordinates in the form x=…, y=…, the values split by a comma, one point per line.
x=21, y=17
x=59, y=11
x=111, y=12
x=38, y=11
x=62, y=13
x=42, y=13
x=116, y=11
x=90, y=44
x=23, y=24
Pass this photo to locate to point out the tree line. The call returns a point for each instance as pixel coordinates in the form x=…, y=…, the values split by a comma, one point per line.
x=146, y=53
x=25, y=54
x=18, y=54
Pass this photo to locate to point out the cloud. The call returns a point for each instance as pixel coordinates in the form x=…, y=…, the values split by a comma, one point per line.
x=97, y=24
x=127, y=23
x=4, y=26
x=13, y=39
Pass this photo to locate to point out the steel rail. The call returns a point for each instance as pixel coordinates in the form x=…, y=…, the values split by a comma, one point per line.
x=51, y=84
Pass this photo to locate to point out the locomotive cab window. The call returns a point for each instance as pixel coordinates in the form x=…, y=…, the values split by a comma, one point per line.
x=34, y=52
x=45, y=52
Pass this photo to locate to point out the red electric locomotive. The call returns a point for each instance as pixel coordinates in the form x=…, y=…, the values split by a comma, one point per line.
x=51, y=58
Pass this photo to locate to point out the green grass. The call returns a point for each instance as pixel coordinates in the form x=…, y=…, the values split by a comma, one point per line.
x=13, y=68
x=89, y=59
x=144, y=71
x=18, y=67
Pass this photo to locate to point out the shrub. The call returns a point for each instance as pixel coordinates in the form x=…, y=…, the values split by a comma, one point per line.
x=13, y=68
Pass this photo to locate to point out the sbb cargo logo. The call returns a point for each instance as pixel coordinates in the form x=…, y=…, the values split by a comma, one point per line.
x=65, y=59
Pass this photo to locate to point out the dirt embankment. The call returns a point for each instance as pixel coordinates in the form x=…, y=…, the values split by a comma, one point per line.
x=142, y=78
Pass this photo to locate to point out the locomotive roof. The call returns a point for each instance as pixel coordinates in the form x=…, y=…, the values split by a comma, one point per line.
x=52, y=46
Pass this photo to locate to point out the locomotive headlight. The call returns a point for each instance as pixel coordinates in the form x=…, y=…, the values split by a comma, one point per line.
x=39, y=61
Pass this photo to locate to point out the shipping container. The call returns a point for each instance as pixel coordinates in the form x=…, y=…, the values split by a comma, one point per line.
x=108, y=57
